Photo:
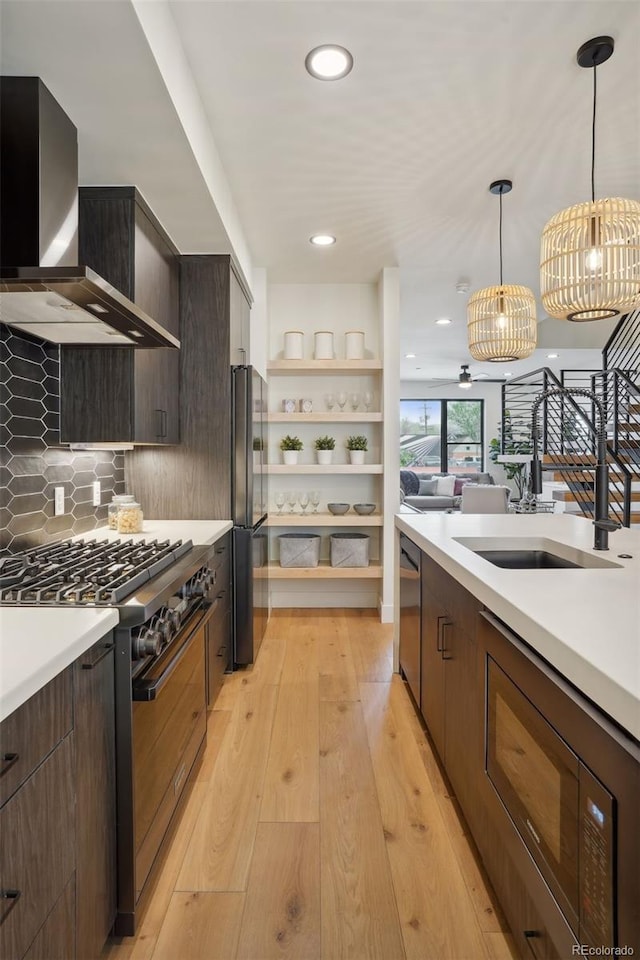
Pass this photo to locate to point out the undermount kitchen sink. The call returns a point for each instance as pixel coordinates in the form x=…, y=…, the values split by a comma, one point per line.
x=534, y=553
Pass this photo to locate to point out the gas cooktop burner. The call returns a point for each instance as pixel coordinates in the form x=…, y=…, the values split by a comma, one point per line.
x=92, y=572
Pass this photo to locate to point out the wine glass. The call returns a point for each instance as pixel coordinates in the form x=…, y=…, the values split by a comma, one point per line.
x=342, y=399
x=330, y=401
x=315, y=500
x=280, y=500
x=367, y=399
x=354, y=400
x=303, y=499
x=292, y=499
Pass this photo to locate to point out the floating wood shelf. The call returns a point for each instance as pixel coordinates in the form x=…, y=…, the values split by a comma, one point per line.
x=328, y=417
x=324, y=520
x=297, y=367
x=320, y=468
x=323, y=572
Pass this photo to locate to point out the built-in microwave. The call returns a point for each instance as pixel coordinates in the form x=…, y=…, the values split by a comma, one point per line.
x=565, y=816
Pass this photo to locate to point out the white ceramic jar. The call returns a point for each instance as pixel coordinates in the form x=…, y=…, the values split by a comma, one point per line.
x=354, y=345
x=293, y=345
x=323, y=345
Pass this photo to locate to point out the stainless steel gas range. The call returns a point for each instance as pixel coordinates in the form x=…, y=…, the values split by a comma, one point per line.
x=165, y=596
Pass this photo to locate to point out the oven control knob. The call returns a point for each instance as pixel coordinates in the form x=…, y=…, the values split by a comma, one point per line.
x=148, y=643
x=165, y=627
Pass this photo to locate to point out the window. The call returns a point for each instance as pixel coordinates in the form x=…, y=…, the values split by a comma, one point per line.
x=442, y=436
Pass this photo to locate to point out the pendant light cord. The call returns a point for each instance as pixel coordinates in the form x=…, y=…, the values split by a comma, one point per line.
x=501, y=236
x=593, y=139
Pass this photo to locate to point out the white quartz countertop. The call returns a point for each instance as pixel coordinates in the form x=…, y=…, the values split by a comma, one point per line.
x=585, y=623
x=200, y=532
x=38, y=643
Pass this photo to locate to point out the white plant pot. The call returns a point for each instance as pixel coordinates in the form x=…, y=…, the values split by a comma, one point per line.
x=356, y=456
x=290, y=457
x=324, y=456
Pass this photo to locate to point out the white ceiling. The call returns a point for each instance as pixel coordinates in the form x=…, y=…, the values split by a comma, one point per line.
x=395, y=159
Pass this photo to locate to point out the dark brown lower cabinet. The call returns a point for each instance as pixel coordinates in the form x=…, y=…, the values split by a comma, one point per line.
x=449, y=702
x=37, y=843
x=93, y=686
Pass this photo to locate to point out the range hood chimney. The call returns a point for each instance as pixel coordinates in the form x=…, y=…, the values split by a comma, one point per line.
x=43, y=291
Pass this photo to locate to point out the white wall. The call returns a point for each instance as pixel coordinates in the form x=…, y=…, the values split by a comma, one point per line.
x=489, y=392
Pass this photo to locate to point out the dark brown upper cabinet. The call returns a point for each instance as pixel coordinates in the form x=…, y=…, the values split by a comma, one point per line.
x=122, y=394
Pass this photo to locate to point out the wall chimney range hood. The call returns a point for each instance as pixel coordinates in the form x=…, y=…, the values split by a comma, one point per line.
x=55, y=299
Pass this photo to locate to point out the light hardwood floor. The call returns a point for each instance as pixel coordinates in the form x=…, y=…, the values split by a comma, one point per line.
x=320, y=826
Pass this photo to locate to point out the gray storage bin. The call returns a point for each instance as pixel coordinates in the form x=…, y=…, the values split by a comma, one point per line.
x=349, y=550
x=299, y=549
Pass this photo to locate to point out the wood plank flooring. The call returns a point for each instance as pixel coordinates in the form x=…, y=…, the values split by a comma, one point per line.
x=320, y=826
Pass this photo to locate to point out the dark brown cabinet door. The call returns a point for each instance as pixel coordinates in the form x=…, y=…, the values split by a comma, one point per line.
x=96, y=801
x=120, y=394
x=56, y=938
x=463, y=726
x=37, y=829
x=432, y=700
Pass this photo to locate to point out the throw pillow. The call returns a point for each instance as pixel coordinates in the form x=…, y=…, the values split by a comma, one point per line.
x=459, y=484
x=445, y=486
x=409, y=482
x=427, y=488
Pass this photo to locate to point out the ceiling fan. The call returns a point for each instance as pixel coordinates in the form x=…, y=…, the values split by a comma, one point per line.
x=464, y=381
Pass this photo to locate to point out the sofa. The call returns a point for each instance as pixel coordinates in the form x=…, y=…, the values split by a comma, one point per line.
x=419, y=492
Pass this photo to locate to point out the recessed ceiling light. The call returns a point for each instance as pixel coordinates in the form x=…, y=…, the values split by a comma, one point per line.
x=507, y=374
x=482, y=376
x=552, y=356
x=409, y=356
x=322, y=240
x=328, y=62
x=443, y=321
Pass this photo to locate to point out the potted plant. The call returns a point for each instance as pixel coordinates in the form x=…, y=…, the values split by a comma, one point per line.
x=357, y=447
x=290, y=447
x=324, y=449
x=258, y=447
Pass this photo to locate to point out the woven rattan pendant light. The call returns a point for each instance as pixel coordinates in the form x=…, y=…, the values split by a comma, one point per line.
x=501, y=321
x=590, y=253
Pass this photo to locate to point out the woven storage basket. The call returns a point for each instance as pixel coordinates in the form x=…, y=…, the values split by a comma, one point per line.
x=349, y=550
x=299, y=549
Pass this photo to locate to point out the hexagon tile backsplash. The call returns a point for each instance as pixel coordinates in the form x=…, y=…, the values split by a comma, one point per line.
x=32, y=462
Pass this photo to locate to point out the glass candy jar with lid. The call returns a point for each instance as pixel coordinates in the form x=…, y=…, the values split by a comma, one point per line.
x=130, y=517
x=112, y=509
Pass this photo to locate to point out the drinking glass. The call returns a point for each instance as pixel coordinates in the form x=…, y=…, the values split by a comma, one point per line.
x=342, y=399
x=315, y=500
x=304, y=501
x=330, y=401
x=292, y=499
x=280, y=500
x=354, y=400
x=367, y=399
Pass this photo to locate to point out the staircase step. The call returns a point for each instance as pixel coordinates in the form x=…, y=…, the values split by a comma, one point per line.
x=583, y=496
x=629, y=427
x=629, y=444
x=634, y=408
x=571, y=459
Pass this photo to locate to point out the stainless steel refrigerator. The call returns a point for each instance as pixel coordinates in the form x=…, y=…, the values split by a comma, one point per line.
x=249, y=504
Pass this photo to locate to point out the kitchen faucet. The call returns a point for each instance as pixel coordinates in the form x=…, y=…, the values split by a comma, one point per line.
x=602, y=524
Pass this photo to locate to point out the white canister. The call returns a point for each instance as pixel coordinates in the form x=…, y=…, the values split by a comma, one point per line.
x=323, y=345
x=293, y=345
x=354, y=345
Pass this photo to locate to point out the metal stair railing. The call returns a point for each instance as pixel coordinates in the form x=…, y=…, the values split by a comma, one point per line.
x=568, y=441
x=622, y=349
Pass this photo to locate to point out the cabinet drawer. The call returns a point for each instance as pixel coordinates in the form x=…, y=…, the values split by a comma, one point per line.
x=462, y=606
x=218, y=649
x=56, y=937
x=37, y=827
x=31, y=732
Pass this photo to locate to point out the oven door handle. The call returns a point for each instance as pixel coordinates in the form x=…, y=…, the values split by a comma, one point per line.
x=143, y=691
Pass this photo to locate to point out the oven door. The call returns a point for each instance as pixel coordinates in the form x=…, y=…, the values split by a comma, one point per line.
x=169, y=726
x=537, y=777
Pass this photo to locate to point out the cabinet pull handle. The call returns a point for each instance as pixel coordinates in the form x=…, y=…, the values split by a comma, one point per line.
x=159, y=423
x=108, y=647
x=12, y=896
x=438, y=636
x=164, y=423
x=221, y=651
x=530, y=937
x=8, y=760
x=445, y=623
